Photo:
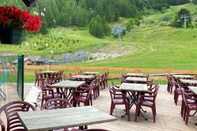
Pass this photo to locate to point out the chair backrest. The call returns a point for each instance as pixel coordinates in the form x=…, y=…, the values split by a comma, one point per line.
x=184, y=96
x=113, y=93
x=56, y=103
x=44, y=83
x=114, y=85
x=4, y=77
x=61, y=75
x=10, y=110
x=150, y=83
x=170, y=79
x=147, y=77
x=96, y=82
x=80, y=72
x=90, y=88
x=123, y=79
x=153, y=93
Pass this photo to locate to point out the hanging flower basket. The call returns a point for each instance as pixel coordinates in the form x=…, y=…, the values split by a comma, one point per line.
x=11, y=35
x=14, y=22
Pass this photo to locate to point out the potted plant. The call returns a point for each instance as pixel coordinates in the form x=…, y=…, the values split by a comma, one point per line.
x=13, y=22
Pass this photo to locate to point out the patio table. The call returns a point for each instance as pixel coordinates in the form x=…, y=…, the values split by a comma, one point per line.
x=90, y=73
x=63, y=118
x=136, y=74
x=133, y=90
x=183, y=76
x=71, y=85
x=189, y=81
x=136, y=79
x=48, y=73
x=193, y=89
x=83, y=77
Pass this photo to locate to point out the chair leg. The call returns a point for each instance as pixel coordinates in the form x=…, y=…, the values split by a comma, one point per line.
x=184, y=113
x=42, y=102
x=168, y=88
x=176, y=97
x=128, y=112
x=111, y=109
x=154, y=113
x=182, y=108
x=137, y=111
x=187, y=116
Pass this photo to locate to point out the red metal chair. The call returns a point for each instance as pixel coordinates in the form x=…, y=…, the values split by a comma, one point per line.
x=118, y=98
x=10, y=110
x=143, y=101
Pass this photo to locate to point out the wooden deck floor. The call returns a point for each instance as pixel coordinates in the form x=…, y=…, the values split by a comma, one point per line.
x=168, y=114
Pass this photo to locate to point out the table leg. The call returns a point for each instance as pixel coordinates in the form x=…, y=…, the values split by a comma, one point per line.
x=83, y=127
x=134, y=98
x=193, y=114
x=68, y=97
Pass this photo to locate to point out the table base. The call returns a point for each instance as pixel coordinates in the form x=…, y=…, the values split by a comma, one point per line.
x=134, y=98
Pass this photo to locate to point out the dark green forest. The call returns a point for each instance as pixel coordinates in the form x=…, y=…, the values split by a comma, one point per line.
x=82, y=13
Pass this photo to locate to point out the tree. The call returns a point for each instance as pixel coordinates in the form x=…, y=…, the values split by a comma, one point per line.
x=194, y=1
x=80, y=17
x=179, y=20
x=98, y=27
x=43, y=29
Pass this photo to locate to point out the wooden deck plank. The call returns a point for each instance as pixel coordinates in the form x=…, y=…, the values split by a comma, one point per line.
x=168, y=116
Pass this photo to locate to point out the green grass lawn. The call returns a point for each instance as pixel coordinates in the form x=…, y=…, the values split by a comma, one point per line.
x=154, y=45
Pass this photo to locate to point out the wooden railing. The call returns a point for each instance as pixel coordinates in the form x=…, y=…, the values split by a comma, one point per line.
x=158, y=74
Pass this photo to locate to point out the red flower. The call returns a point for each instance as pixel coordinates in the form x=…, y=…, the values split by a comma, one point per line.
x=4, y=11
x=18, y=18
x=5, y=19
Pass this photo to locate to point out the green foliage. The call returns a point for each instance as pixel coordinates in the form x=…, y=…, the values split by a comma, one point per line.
x=98, y=27
x=43, y=30
x=194, y=1
x=179, y=21
x=129, y=23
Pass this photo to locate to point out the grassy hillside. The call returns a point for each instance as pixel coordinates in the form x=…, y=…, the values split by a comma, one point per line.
x=153, y=44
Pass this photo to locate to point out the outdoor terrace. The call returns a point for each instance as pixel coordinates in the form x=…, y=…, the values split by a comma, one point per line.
x=168, y=114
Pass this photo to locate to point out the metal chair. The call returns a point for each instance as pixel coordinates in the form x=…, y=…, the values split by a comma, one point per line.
x=2, y=93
